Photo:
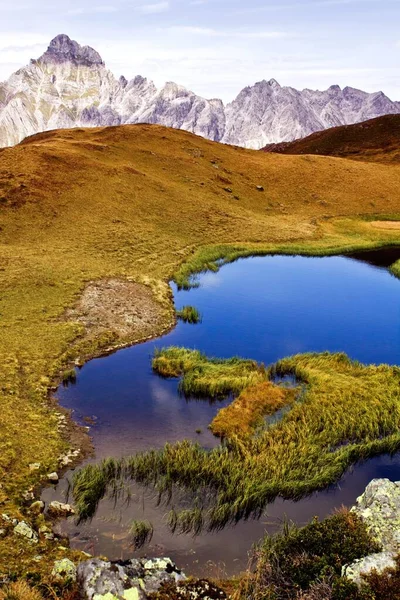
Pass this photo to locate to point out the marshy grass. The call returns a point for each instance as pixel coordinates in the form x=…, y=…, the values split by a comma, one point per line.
x=207, y=377
x=69, y=377
x=142, y=533
x=349, y=412
x=189, y=314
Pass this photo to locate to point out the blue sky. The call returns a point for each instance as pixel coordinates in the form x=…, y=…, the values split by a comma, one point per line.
x=216, y=47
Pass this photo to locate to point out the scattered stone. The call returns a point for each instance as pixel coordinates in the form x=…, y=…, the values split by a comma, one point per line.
x=126, y=580
x=37, y=507
x=58, y=509
x=229, y=190
x=64, y=570
x=53, y=477
x=260, y=188
x=28, y=496
x=34, y=466
x=378, y=562
x=3, y=533
x=26, y=531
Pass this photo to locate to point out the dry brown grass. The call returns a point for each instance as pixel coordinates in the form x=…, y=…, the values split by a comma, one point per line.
x=19, y=590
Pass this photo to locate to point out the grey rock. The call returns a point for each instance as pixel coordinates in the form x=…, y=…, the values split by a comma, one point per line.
x=378, y=562
x=128, y=580
x=379, y=508
x=64, y=570
x=58, y=509
x=24, y=530
x=63, y=49
x=53, y=477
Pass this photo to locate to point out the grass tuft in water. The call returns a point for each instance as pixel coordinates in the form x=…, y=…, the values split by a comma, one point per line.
x=142, y=532
x=189, y=314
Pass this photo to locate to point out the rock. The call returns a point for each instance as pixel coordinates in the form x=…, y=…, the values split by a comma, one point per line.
x=378, y=562
x=64, y=570
x=260, y=188
x=128, y=580
x=379, y=508
x=37, y=507
x=26, y=531
x=28, y=496
x=58, y=509
x=52, y=477
x=34, y=466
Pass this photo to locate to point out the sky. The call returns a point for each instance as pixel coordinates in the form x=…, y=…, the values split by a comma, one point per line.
x=217, y=47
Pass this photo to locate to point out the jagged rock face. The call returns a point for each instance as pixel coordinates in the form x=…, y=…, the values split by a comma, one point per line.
x=69, y=86
x=268, y=113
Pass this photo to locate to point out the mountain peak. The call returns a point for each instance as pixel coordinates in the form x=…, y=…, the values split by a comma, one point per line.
x=62, y=49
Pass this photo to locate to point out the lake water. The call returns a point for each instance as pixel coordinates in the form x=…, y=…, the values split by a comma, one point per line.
x=260, y=308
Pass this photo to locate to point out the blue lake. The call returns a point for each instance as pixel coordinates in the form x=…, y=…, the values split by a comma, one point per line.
x=261, y=308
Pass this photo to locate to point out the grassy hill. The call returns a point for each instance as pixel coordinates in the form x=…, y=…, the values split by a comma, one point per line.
x=114, y=214
x=376, y=140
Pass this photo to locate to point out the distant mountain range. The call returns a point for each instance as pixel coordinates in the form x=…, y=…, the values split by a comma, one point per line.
x=70, y=86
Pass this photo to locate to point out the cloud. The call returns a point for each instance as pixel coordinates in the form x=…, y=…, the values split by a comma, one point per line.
x=150, y=9
x=92, y=10
x=233, y=33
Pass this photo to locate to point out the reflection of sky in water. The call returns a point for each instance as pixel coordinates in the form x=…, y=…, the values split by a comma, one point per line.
x=261, y=308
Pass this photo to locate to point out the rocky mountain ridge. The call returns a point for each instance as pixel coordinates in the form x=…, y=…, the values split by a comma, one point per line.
x=70, y=86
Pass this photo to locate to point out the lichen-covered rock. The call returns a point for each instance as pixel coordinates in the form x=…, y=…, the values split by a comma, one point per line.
x=379, y=509
x=37, y=507
x=64, y=570
x=127, y=580
x=378, y=562
x=26, y=531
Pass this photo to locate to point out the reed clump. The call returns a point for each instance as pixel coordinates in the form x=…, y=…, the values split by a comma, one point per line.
x=348, y=412
x=189, y=314
x=142, y=532
x=202, y=376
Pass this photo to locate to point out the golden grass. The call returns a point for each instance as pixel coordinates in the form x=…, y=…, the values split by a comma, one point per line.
x=138, y=202
x=249, y=409
x=19, y=590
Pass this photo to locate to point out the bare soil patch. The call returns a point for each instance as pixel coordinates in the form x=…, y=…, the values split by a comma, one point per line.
x=124, y=307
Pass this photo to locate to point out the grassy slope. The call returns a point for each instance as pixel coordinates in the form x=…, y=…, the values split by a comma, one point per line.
x=138, y=201
x=374, y=140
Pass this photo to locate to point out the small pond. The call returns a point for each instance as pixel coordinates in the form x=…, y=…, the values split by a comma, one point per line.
x=261, y=308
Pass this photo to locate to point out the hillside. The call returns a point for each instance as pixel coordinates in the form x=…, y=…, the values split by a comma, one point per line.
x=375, y=140
x=116, y=211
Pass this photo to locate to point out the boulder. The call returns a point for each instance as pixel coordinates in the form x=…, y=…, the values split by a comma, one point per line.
x=26, y=531
x=64, y=570
x=52, y=477
x=379, y=509
x=125, y=580
x=378, y=562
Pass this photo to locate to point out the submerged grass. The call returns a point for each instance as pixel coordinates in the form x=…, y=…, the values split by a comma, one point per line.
x=202, y=376
x=348, y=412
x=189, y=314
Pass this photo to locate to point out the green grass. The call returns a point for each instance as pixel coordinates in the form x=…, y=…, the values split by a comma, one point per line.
x=142, y=533
x=202, y=377
x=309, y=559
x=189, y=314
x=348, y=412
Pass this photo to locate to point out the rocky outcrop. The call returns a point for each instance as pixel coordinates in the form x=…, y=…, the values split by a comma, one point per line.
x=379, y=508
x=69, y=86
x=129, y=580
